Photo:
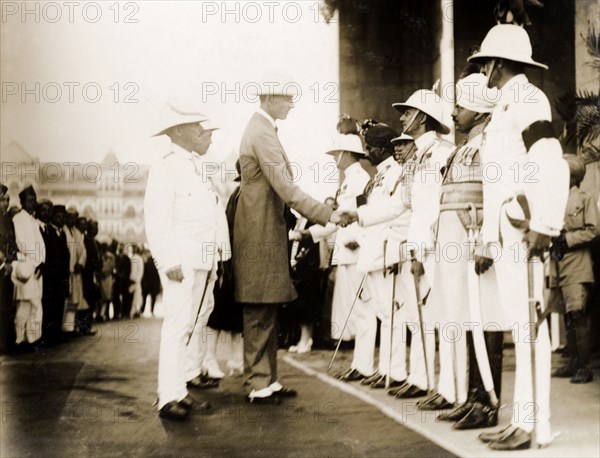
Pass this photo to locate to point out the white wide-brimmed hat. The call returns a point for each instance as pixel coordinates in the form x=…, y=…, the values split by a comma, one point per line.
x=177, y=113
x=428, y=102
x=507, y=41
x=346, y=142
x=473, y=93
x=276, y=83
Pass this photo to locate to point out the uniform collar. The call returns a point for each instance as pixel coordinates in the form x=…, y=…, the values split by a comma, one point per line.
x=508, y=90
x=476, y=130
x=425, y=140
x=354, y=168
x=385, y=164
x=179, y=150
x=262, y=112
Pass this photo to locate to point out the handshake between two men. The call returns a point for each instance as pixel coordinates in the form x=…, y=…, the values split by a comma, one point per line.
x=344, y=218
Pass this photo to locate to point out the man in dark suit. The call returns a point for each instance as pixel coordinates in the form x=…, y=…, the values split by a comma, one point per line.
x=56, y=275
x=260, y=250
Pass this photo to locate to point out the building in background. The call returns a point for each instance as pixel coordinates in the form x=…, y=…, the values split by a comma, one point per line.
x=110, y=192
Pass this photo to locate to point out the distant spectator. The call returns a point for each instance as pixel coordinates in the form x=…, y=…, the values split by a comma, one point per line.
x=150, y=282
x=135, y=280
x=90, y=274
x=77, y=261
x=123, y=281
x=8, y=253
x=106, y=283
x=56, y=275
x=27, y=271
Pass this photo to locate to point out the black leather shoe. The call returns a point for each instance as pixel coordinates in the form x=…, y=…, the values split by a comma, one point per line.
x=494, y=436
x=285, y=393
x=380, y=383
x=189, y=403
x=436, y=402
x=517, y=439
x=480, y=416
x=583, y=375
x=352, y=375
x=173, y=411
x=394, y=391
x=566, y=371
x=457, y=413
x=372, y=378
x=203, y=382
x=411, y=391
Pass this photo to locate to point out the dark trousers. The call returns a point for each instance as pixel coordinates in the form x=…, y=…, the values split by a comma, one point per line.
x=494, y=343
x=260, y=344
x=116, y=300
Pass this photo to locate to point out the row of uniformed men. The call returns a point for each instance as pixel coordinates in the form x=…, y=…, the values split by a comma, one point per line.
x=434, y=231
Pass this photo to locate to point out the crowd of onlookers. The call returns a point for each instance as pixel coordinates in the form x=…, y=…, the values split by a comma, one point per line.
x=57, y=278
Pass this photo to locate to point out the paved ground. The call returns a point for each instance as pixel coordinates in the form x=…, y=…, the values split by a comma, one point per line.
x=575, y=409
x=93, y=397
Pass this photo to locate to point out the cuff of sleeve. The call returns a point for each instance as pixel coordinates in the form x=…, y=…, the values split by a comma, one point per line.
x=543, y=228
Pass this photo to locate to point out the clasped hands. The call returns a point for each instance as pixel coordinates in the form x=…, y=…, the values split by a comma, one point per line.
x=344, y=218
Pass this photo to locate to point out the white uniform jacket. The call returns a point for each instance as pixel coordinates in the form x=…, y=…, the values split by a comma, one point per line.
x=185, y=222
x=375, y=218
x=511, y=167
x=356, y=178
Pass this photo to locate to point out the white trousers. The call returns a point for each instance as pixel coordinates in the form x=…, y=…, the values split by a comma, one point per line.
x=366, y=330
x=418, y=369
x=382, y=290
x=511, y=274
x=347, y=281
x=453, y=362
x=28, y=320
x=178, y=361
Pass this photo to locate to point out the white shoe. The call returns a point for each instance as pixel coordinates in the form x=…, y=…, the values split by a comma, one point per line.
x=305, y=348
x=293, y=349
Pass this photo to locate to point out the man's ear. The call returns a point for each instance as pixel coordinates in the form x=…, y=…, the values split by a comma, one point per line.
x=479, y=117
x=421, y=118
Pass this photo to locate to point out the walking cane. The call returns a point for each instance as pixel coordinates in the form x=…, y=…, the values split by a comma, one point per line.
x=337, y=347
x=395, y=307
x=534, y=305
x=421, y=324
x=199, y=306
x=455, y=367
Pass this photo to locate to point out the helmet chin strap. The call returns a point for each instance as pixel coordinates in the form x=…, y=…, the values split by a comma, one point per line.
x=491, y=72
x=412, y=119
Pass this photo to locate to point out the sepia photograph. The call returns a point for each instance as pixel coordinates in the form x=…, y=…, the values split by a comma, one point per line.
x=300, y=228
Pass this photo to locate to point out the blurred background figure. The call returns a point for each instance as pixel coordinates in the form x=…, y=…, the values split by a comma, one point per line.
x=27, y=272
x=106, y=282
x=135, y=280
x=89, y=275
x=77, y=261
x=8, y=253
x=151, y=286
